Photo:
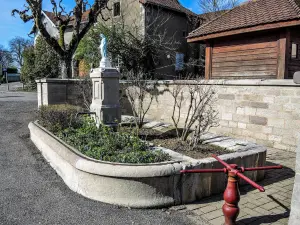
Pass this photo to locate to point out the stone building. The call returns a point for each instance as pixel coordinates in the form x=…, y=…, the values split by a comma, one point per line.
x=172, y=20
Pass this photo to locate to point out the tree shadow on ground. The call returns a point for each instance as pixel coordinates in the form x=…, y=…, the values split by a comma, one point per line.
x=267, y=218
x=271, y=177
x=257, y=220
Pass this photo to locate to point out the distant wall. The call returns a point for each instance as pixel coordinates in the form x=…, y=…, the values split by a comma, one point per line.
x=12, y=77
x=61, y=91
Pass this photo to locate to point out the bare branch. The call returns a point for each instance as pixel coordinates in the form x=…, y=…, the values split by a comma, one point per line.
x=200, y=114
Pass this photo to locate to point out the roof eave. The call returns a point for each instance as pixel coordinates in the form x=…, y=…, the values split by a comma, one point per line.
x=52, y=23
x=169, y=8
x=262, y=27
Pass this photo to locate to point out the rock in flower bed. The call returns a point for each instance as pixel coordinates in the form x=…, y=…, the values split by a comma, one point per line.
x=98, y=143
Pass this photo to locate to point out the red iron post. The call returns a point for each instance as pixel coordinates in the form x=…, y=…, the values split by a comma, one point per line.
x=231, y=196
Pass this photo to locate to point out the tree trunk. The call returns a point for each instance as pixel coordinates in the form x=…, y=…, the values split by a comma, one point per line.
x=66, y=67
x=75, y=68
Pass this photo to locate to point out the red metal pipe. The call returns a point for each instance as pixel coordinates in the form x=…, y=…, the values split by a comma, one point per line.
x=239, y=174
x=224, y=170
x=264, y=168
x=222, y=162
x=260, y=188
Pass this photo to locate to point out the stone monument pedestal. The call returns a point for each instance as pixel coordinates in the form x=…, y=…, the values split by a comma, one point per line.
x=105, y=102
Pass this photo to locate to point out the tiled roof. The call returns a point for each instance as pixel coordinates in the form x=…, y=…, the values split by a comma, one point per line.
x=51, y=16
x=170, y=4
x=252, y=13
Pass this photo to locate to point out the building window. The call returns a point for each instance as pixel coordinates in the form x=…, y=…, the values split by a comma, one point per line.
x=117, y=9
x=179, y=66
x=295, y=50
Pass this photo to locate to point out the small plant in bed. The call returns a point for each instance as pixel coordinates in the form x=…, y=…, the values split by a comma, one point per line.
x=98, y=143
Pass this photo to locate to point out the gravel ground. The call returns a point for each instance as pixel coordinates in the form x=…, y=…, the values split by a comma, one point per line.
x=32, y=193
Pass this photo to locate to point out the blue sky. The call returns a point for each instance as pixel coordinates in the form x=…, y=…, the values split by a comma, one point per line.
x=191, y=4
x=11, y=27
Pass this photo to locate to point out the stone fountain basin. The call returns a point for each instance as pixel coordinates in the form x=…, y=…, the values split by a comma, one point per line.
x=140, y=185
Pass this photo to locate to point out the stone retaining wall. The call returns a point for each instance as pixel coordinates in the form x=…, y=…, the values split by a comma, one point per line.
x=266, y=112
x=62, y=91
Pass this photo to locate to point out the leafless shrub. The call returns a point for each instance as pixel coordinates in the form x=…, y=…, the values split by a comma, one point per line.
x=85, y=89
x=140, y=95
x=197, y=99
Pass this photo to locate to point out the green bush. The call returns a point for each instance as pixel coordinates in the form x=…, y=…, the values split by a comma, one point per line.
x=99, y=143
x=58, y=117
x=40, y=61
x=104, y=144
x=28, y=68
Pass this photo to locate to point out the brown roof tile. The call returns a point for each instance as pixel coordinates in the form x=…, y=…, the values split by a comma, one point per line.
x=170, y=4
x=84, y=17
x=252, y=13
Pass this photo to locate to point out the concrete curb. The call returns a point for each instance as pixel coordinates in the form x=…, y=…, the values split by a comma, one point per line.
x=139, y=185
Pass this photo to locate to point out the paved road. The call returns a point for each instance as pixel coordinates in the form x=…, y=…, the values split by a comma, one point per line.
x=31, y=193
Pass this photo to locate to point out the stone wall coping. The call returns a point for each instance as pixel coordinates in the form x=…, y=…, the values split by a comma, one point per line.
x=56, y=80
x=246, y=82
x=249, y=82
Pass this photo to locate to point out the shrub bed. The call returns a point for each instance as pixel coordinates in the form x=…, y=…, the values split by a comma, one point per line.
x=99, y=143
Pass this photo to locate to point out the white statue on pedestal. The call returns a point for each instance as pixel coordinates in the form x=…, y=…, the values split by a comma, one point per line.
x=104, y=63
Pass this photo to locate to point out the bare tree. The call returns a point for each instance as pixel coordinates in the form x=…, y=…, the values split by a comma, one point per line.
x=17, y=47
x=6, y=58
x=197, y=99
x=216, y=7
x=33, y=11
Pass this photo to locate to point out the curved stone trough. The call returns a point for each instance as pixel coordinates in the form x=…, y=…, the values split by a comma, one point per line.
x=140, y=185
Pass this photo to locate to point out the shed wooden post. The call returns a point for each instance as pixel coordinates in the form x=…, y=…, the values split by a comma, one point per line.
x=288, y=53
x=208, y=60
x=283, y=45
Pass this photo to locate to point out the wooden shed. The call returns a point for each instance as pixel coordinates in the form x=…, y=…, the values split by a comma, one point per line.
x=259, y=39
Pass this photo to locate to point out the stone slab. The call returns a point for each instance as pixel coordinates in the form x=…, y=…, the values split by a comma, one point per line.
x=295, y=206
x=166, y=129
x=127, y=120
x=297, y=77
x=153, y=124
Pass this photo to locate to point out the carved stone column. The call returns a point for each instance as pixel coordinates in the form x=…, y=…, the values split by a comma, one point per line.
x=105, y=101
